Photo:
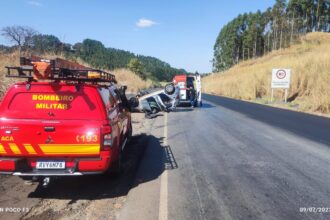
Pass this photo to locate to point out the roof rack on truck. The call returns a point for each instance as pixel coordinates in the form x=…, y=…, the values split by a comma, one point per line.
x=36, y=68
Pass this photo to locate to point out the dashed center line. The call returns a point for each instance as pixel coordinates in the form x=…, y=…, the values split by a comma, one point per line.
x=163, y=200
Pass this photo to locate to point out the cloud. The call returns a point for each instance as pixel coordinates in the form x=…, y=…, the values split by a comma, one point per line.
x=145, y=23
x=34, y=3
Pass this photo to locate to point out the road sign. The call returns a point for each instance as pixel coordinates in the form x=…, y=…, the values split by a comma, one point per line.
x=281, y=78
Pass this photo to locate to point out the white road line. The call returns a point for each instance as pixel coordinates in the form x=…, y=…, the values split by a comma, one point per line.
x=163, y=200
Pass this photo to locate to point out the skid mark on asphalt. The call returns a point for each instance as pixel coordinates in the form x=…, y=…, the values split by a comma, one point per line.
x=163, y=201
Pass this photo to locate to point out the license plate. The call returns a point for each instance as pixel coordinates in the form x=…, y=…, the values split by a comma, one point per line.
x=45, y=165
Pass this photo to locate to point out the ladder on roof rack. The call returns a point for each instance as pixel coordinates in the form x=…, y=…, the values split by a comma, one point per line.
x=37, y=68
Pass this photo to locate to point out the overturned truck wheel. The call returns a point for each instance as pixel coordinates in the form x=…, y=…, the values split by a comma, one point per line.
x=169, y=89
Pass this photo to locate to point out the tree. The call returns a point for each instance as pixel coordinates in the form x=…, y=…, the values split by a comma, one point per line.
x=254, y=34
x=136, y=66
x=90, y=51
x=47, y=43
x=93, y=52
x=279, y=23
x=20, y=35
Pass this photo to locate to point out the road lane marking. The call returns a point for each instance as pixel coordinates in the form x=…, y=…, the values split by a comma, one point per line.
x=163, y=200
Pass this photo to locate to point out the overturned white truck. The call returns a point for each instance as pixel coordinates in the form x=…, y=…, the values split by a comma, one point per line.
x=153, y=101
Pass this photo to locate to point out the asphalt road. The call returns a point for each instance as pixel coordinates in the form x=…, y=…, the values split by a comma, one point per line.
x=233, y=160
x=227, y=160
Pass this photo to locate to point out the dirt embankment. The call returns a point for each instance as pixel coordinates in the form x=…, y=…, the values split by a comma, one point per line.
x=309, y=61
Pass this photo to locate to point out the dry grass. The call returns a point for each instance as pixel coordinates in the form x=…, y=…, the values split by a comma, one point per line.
x=131, y=80
x=6, y=60
x=123, y=76
x=310, y=64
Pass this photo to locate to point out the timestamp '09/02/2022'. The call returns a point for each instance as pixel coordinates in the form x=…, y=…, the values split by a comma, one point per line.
x=314, y=209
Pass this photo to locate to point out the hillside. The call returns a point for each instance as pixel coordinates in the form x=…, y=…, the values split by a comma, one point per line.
x=96, y=55
x=310, y=63
x=254, y=34
x=123, y=76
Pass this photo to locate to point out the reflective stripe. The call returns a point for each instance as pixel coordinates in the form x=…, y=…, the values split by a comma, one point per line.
x=2, y=150
x=29, y=148
x=70, y=148
x=14, y=148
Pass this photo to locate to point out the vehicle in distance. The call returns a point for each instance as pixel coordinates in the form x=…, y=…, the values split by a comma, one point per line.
x=65, y=120
x=185, y=82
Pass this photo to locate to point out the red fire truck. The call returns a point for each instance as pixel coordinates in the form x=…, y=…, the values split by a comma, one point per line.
x=65, y=120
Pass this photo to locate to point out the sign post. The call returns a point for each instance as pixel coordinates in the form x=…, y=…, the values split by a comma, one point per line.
x=281, y=80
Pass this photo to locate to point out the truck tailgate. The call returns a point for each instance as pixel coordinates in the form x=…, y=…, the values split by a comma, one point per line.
x=39, y=138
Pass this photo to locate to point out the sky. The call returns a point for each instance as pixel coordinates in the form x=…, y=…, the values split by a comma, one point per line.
x=179, y=32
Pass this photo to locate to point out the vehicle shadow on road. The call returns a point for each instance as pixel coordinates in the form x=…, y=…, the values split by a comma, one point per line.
x=184, y=109
x=207, y=105
x=152, y=116
x=158, y=157
x=144, y=160
x=187, y=108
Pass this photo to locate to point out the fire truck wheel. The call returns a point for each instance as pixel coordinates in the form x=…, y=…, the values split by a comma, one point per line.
x=117, y=167
x=130, y=133
x=133, y=102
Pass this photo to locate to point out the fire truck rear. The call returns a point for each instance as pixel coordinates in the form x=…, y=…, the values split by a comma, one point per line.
x=65, y=120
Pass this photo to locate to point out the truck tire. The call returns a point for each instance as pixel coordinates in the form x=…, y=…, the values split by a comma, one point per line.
x=130, y=133
x=116, y=168
x=133, y=103
x=169, y=89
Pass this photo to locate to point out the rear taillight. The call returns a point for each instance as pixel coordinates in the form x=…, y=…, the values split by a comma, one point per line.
x=107, y=138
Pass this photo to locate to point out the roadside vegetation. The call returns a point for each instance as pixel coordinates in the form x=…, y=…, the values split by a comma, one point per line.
x=136, y=71
x=309, y=60
x=252, y=35
x=124, y=76
x=26, y=40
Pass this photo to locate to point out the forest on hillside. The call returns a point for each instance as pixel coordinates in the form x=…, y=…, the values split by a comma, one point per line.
x=252, y=35
x=92, y=52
